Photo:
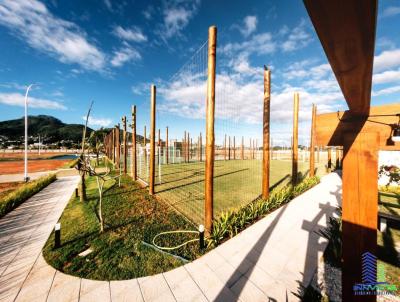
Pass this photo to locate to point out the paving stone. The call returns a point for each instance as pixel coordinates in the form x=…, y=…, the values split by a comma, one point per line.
x=94, y=291
x=155, y=288
x=125, y=291
x=65, y=288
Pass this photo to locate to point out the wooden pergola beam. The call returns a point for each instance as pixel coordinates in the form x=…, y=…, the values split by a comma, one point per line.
x=346, y=29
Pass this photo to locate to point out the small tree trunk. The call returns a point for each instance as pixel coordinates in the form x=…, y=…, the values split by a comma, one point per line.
x=82, y=193
x=100, y=186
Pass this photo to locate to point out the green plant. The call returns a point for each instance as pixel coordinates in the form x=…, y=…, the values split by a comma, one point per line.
x=231, y=223
x=15, y=198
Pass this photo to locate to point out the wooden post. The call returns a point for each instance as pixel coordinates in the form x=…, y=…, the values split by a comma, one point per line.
x=167, y=146
x=210, y=111
x=266, y=134
x=184, y=147
x=234, y=147
x=118, y=147
x=360, y=207
x=225, y=148
x=229, y=148
x=312, y=141
x=329, y=159
x=159, y=146
x=242, y=151
x=295, y=151
x=133, y=154
x=125, y=144
x=152, y=139
x=113, y=146
x=201, y=147
x=188, y=147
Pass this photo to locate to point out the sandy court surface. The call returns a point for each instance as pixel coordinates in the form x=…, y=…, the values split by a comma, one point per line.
x=15, y=167
x=31, y=155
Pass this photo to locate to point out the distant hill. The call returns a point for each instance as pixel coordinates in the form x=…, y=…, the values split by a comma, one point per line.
x=49, y=128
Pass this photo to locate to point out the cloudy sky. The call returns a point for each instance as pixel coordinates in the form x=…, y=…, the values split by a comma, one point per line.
x=112, y=51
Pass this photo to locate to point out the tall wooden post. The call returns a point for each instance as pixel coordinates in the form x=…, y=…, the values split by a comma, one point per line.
x=201, y=147
x=188, y=147
x=229, y=148
x=184, y=147
x=159, y=146
x=234, y=147
x=266, y=134
x=125, y=145
x=242, y=148
x=312, y=141
x=295, y=154
x=210, y=112
x=225, y=148
x=133, y=154
x=152, y=139
x=329, y=159
x=167, y=146
x=118, y=147
x=360, y=207
x=113, y=146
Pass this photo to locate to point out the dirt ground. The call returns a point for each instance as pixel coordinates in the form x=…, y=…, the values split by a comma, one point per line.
x=15, y=167
x=20, y=155
x=8, y=186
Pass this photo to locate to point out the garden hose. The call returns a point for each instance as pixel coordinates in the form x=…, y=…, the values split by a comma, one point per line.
x=200, y=232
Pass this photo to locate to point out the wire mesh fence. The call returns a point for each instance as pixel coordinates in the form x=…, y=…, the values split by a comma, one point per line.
x=180, y=140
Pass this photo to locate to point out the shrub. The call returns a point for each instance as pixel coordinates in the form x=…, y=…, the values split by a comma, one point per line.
x=15, y=198
x=232, y=222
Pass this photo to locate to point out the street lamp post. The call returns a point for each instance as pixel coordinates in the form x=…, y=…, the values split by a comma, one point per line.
x=26, y=178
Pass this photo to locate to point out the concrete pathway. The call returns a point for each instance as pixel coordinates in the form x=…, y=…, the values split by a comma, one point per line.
x=266, y=262
x=24, y=231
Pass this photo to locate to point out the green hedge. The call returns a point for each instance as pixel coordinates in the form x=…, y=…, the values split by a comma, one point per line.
x=18, y=196
x=231, y=223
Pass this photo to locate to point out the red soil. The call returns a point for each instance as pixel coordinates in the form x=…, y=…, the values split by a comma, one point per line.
x=15, y=167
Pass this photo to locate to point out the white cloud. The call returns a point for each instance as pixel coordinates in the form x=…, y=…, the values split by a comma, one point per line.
x=388, y=76
x=18, y=99
x=133, y=34
x=249, y=25
x=124, y=55
x=386, y=91
x=391, y=11
x=176, y=16
x=259, y=44
x=32, y=22
x=101, y=122
x=387, y=59
x=297, y=38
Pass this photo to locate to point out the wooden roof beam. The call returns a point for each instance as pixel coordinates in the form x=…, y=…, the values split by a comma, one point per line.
x=346, y=29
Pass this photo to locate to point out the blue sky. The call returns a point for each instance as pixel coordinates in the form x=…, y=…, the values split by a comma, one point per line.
x=111, y=51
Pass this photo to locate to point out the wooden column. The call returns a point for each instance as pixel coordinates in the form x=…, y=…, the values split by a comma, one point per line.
x=266, y=134
x=229, y=148
x=329, y=159
x=360, y=207
x=124, y=139
x=210, y=140
x=159, y=146
x=133, y=154
x=113, y=145
x=118, y=146
x=225, y=148
x=167, y=145
x=152, y=139
x=312, y=141
x=201, y=147
x=234, y=147
x=295, y=154
x=184, y=147
x=242, y=148
x=188, y=147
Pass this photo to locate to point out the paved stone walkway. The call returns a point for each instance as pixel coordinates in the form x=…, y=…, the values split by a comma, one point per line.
x=266, y=262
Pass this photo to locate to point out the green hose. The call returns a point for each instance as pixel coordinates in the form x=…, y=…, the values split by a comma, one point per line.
x=178, y=246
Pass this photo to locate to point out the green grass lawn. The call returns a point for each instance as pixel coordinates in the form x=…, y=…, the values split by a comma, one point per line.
x=131, y=216
x=388, y=241
x=236, y=183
